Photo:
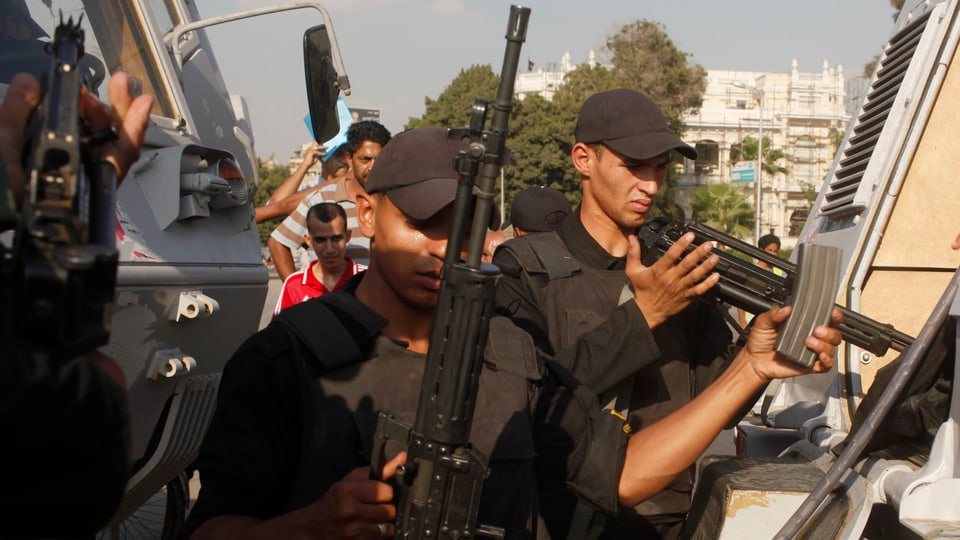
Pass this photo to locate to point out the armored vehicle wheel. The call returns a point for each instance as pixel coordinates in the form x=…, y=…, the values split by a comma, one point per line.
x=161, y=517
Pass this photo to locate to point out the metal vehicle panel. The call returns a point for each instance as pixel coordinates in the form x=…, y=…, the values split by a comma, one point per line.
x=890, y=203
x=191, y=282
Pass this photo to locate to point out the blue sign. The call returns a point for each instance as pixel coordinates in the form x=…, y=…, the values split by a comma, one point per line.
x=743, y=172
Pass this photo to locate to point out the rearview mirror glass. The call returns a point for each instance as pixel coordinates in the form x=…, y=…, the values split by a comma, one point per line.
x=322, y=83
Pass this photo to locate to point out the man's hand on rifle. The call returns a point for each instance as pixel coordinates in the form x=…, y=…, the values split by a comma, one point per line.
x=126, y=116
x=355, y=507
x=664, y=288
x=658, y=453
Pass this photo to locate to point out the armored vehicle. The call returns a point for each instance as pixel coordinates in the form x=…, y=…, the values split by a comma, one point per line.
x=871, y=450
x=191, y=282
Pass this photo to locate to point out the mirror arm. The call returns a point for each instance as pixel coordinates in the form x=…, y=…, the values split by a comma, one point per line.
x=176, y=35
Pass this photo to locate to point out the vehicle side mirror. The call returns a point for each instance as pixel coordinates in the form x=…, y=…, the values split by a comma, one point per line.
x=323, y=83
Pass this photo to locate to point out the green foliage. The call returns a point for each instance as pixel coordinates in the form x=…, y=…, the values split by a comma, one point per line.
x=771, y=155
x=454, y=105
x=541, y=138
x=270, y=179
x=836, y=139
x=644, y=58
x=579, y=84
x=724, y=207
x=809, y=191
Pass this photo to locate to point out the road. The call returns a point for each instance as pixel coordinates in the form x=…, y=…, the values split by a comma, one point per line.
x=273, y=293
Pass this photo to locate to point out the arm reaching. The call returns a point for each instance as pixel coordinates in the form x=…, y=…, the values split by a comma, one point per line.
x=656, y=454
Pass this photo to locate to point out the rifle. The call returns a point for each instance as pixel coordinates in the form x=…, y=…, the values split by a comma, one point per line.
x=59, y=277
x=754, y=289
x=440, y=485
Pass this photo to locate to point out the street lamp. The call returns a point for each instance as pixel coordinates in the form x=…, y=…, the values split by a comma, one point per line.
x=758, y=94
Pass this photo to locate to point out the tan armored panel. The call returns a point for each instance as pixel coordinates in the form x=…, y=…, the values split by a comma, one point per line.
x=914, y=261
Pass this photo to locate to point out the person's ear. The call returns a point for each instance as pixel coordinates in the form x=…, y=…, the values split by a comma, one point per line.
x=583, y=156
x=307, y=241
x=366, y=213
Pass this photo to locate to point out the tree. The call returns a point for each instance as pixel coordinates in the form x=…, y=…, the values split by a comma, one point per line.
x=647, y=60
x=868, y=68
x=724, y=207
x=544, y=130
x=541, y=139
x=453, y=106
x=270, y=178
x=809, y=192
x=836, y=139
x=771, y=155
x=644, y=58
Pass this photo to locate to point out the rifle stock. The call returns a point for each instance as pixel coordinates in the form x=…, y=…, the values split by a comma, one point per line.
x=440, y=485
x=751, y=288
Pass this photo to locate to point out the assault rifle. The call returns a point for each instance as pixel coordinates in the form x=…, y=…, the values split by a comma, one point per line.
x=440, y=485
x=754, y=289
x=59, y=277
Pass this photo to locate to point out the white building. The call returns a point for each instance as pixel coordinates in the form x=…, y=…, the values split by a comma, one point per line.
x=545, y=81
x=802, y=115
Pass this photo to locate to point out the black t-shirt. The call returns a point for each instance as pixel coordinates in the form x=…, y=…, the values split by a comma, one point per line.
x=534, y=430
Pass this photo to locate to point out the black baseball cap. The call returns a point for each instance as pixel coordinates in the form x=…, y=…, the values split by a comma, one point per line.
x=416, y=171
x=539, y=209
x=630, y=123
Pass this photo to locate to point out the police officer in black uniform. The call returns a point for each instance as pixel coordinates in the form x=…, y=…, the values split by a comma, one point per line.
x=288, y=449
x=585, y=287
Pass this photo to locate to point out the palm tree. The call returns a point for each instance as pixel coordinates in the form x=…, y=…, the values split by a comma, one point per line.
x=724, y=207
x=771, y=155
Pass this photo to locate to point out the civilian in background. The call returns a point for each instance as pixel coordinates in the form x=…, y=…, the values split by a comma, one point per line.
x=364, y=142
x=292, y=191
x=328, y=236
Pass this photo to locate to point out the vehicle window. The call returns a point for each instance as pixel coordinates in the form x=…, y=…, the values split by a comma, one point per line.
x=164, y=13
x=114, y=40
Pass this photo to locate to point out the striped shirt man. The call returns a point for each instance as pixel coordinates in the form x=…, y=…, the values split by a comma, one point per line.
x=291, y=231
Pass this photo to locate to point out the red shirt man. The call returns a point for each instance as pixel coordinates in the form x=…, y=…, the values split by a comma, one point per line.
x=327, y=235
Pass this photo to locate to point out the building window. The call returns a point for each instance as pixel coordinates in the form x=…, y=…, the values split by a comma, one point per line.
x=797, y=218
x=708, y=157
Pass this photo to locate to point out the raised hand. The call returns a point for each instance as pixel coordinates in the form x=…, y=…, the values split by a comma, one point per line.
x=664, y=288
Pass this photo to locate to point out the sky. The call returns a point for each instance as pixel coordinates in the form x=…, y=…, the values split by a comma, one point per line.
x=397, y=52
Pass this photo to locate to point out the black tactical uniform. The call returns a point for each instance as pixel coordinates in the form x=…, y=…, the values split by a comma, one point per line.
x=297, y=409
x=564, y=289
